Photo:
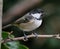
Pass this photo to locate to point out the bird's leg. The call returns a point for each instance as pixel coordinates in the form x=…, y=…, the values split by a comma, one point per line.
x=36, y=35
x=25, y=36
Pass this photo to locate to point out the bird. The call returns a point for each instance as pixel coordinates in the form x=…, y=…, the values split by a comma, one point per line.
x=30, y=21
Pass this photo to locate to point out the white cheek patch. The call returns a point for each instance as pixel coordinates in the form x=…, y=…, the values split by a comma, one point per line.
x=37, y=15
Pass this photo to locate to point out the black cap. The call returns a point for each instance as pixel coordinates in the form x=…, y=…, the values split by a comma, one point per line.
x=36, y=11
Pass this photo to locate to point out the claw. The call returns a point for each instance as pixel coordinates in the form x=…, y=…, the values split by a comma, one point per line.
x=25, y=37
x=36, y=35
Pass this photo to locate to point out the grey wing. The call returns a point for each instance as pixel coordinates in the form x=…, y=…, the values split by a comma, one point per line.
x=23, y=19
x=20, y=21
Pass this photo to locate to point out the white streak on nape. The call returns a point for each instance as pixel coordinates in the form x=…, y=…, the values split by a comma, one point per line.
x=37, y=15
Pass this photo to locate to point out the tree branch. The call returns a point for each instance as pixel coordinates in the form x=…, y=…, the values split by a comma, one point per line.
x=32, y=35
x=20, y=9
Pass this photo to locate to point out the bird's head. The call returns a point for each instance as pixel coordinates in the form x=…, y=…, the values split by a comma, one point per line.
x=34, y=14
x=37, y=13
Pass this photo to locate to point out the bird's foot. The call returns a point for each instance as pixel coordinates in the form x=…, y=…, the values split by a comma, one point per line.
x=25, y=37
x=36, y=35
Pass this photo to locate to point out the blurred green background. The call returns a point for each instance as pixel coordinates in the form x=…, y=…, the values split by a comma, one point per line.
x=50, y=25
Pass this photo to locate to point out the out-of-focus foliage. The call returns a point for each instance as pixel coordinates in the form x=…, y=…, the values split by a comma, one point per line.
x=51, y=43
x=5, y=35
x=50, y=25
x=12, y=44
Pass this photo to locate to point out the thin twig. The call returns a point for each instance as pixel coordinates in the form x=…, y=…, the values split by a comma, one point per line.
x=32, y=35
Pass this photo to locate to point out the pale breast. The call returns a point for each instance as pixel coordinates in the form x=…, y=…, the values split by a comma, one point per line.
x=30, y=25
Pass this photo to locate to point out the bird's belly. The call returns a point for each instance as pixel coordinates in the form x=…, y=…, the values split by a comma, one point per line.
x=30, y=26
